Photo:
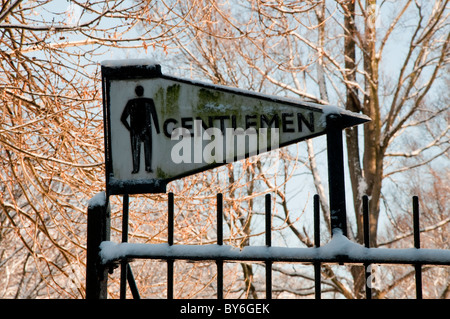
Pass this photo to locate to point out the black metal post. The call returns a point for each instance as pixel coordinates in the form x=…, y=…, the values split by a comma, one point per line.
x=367, y=268
x=268, y=244
x=170, y=279
x=268, y=220
x=170, y=218
x=219, y=263
x=336, y=174
x=416, y=226
x=124, y=262
x=317, y=265
x=170, y=231
x=98, y=230
x=316, y=203
x=219, y=219
x=366, y=224
x=416, y=223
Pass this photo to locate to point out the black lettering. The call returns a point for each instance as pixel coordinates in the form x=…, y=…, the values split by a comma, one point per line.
x=222, y=119
x=301, y=119
x=204, y=125
x=286, y=122
x=249, y=121
x=273, y=120
x=186, y=122
x=233, y=121
x=210, y=121
x=165, y=126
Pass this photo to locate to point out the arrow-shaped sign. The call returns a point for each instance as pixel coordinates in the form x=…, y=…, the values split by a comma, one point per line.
x=159, y=128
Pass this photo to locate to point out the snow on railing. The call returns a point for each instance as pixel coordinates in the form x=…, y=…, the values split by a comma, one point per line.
x=339, y=250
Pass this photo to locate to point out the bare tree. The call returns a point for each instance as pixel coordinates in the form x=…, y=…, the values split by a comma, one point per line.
x=383, y=59
x=51, y=135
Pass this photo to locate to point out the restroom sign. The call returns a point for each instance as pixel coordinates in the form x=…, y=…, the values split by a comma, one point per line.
x=159, y=128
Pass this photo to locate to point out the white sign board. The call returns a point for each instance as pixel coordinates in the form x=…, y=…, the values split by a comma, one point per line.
x=159, y=128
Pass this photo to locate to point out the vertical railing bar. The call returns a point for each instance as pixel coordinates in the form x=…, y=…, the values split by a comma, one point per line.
x=219, y=263
x=220, y=219
x=123, y=266
x=169, y=279
x=416, y=226
x=317, y=265
x=316, y=221
x=170, y=231
x=268, y=220
x=170, y=219
x=366, y=230
x=268, y=279
x=268, y=244
x=416, y=222
x=366, y=223
x=125, y=218
x=126, y=273
x=123, y=279
x=418, y=271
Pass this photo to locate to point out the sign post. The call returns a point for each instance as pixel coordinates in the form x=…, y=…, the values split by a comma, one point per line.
x=98, y=230
x=336, y=179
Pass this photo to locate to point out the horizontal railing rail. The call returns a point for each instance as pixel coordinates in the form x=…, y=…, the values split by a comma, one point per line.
x=333, y=252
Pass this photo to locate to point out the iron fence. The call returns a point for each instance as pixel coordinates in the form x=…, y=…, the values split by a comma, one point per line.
x=104, y=255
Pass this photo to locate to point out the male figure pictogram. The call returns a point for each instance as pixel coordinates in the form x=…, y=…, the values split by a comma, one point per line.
x=141, y=110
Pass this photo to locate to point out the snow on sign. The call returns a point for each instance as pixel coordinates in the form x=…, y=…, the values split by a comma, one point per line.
x=159, y=128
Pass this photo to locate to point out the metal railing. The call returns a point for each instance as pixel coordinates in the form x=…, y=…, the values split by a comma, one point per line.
x=103, y=254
